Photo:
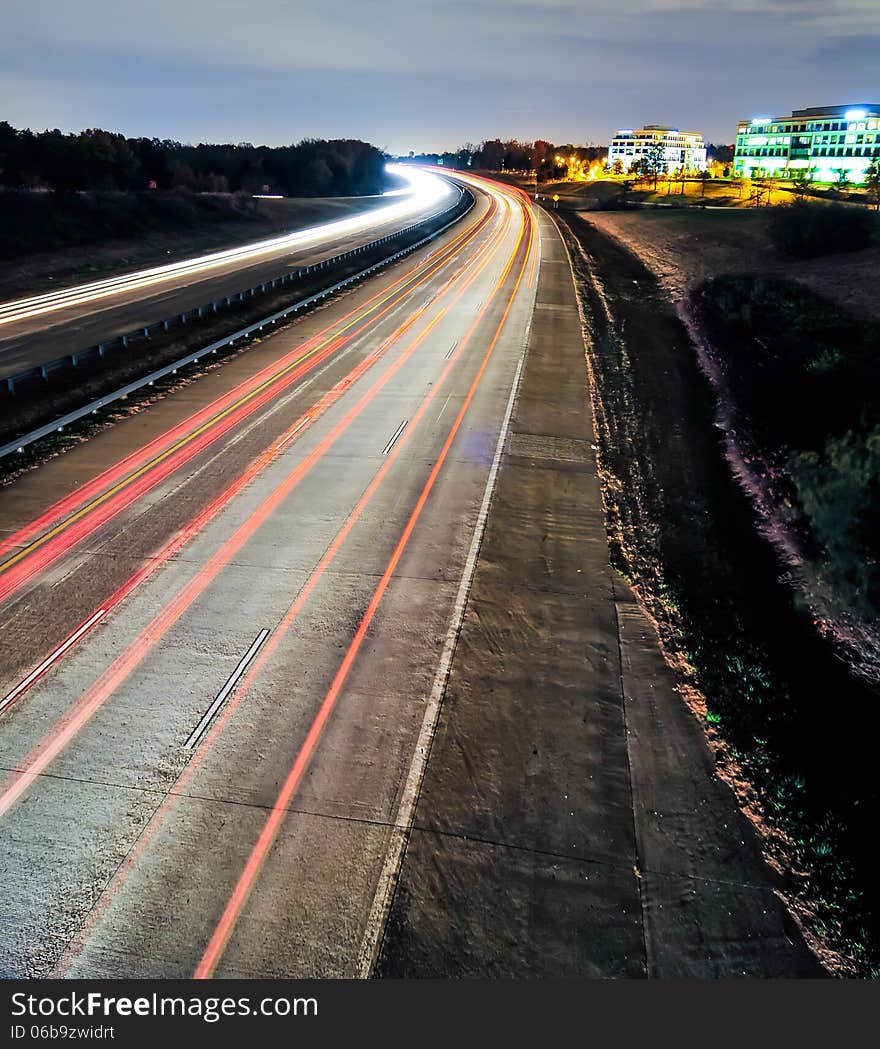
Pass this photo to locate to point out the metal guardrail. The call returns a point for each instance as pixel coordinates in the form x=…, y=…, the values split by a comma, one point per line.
x=461, y=207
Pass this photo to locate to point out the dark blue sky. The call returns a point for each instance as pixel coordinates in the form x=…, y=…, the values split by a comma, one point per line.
x=428, y=74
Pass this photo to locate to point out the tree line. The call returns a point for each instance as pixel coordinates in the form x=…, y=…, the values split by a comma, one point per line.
x=100, y=160
x=548, y=160
x=496, y=154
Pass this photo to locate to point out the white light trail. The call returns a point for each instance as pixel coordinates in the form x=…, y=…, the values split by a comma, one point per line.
x=425, y=191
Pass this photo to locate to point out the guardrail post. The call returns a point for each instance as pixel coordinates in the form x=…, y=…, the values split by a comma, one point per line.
x=44, y=372
x=10, y=384
x=124, y=341
x=100, y=349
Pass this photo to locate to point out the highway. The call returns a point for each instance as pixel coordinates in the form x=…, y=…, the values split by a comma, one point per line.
x=41, y=328
x=222, y=623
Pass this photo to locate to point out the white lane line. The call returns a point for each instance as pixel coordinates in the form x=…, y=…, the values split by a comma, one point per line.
x=224, y=693
x=443, y=409
x=293, y=433
x=25, y=684
x=406, y=810
x=451, y=350
x=393, y=440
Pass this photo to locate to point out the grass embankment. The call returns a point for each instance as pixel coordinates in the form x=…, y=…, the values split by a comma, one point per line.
x=793, y=730
x=34, y=222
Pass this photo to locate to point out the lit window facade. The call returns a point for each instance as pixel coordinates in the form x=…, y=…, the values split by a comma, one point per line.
x=823, y=141
x=682, y=150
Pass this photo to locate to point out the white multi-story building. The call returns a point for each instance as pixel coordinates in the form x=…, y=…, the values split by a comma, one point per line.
x=827, y=143
x=681, y=150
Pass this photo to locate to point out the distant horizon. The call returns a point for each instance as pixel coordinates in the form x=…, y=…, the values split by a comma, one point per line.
x=428, y=151
x=231, y=139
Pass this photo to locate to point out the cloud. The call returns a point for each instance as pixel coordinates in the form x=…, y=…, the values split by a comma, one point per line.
x=571, y=69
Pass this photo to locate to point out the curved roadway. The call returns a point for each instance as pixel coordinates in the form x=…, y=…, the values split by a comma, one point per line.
x=218, y=644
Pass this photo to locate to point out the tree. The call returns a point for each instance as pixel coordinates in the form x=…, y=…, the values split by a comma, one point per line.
x=617, y=167
x=872, y=182
x=802, y=181
x=839, y=492
x=100, y=160
x=655, y=161
x=492, y=155
x=842, y=179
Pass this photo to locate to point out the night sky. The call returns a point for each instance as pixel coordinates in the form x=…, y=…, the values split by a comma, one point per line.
x=428, y=74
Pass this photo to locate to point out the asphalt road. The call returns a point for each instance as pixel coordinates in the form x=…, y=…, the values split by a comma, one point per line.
x=312, y=504
x=30, y=336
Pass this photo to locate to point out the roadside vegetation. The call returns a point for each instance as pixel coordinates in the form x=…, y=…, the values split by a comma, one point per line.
x=132, y=195
x=805, y=231
x=792, y=727
x=803, y=377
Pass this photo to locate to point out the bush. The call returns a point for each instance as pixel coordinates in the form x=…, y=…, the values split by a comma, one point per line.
x=800, y=368
x=804, y=230
x=839, y=493
x=805, y=379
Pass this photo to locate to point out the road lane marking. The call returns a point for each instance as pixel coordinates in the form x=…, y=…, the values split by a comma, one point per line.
x=394, y=438
x=224, y=693
x=53, y=657
x=406, y=809
x=443, y=409
x=451, y=350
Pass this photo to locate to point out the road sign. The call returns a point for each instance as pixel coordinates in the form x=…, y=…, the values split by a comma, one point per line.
x=555, y=197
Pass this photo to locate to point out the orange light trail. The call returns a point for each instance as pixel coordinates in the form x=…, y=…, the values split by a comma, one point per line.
x=211, y=423
x=55, y=741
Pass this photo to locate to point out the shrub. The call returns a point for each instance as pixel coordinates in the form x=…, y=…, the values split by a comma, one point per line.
x=839, y=493
x=800, y=368
x=805, y=230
